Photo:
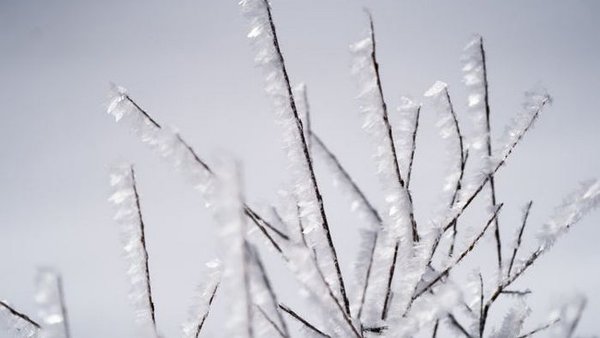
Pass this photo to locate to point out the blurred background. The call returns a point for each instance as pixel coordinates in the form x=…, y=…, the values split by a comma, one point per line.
x=190, y=65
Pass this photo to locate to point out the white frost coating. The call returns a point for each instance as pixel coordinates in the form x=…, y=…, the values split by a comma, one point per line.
x=229, y=213
x=15, y=326
x=164, y=141
x=49, y=300
x=127, y=215
x=403, y=134
x=474, y=80
x=573, y=208
x=424, y=311
x=396, y=218
x=449, y=131
x=535, y=101
x=203, y=299
x=268, y=59
x=513, y=321
x=301, y=262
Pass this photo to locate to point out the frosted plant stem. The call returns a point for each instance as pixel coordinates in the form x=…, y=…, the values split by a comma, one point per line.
x=575, y=321
x=461, y=256
x=267, y=283
x=390, y=136
x=435, y=328
x=264, y=314
x=256, y=219
x=63, y=306
x=367, y=276
x=518, y=244
x=144, y=249
x=463, y=206
x=19, y=315
x=307, y=158
x=388, y=293
x=539, y=329
x=454, y=322
x=489, y=153
x=464, y=155
x=365, y=202
x=317, y=140
x=205, y=315
x=413, y=148
x=302, y=321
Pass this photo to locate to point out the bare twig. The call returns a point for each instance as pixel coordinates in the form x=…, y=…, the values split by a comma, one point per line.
x=518, y=244
x=390, y=135
x=205, y=315
x=302, y=320
x=388, y=293
x=142, y=240
x=454, y=322
x=281, y=333
x=413, y=148
x=256, y=219
x=20, y=315
x=539, y=329
x=307, y=157
x=267, y=283
x=489, y=151
x=461, y=256
x=63, y=305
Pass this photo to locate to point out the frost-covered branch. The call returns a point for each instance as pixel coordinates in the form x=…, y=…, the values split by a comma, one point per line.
x=171, y=146
x=303, y=321
x=18, y=323
x=476, y=78
x=203, y=300
x=126, y=200
x=517, y=244
x=278, y=86
x=51, y=304
x=462, y=255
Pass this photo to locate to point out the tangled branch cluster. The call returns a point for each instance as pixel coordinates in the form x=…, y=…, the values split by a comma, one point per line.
x=404, y=285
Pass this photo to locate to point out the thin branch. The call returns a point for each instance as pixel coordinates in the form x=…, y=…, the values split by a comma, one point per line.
x=247, y=293
x=271, y=291
x=281, y=333
x=516, y=292
x=575, y=322
x=388, y=127
x=307, y=157
x=259, y=222
x=461, y=256
x=63, y=306
x=205, y=315
x=518, y=244
x=464, y=155
x=388, y=293
x=20, y=315
x=435, y=328
x=302, y=320
x=367, y=276
x=346, y=317
x=413, y=148
x=462, y=207
x=353, y=185
x=489, y=152
x=539, y=329
x=480, y=301
x=459, y=326
x=144, y=249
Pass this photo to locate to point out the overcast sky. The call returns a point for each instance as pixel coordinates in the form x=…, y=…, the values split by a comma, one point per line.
x=190, y=65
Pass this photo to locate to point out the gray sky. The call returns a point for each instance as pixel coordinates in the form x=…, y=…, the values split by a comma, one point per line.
x=190, y=65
